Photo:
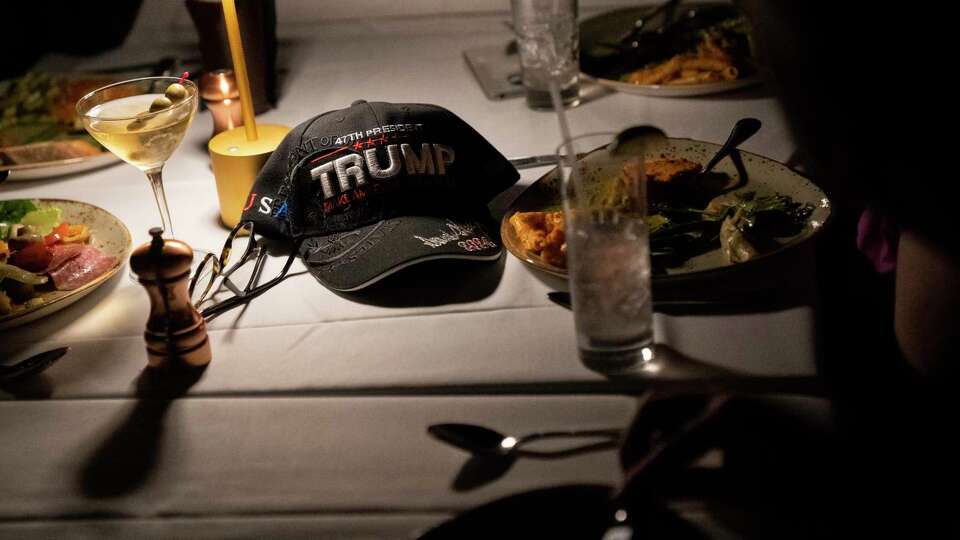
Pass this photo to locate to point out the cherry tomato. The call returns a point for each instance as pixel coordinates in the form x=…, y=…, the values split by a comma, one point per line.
x=57, y=234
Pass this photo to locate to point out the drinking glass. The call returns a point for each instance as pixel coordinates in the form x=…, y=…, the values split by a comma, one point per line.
x=119, y=117
x=548, y=42
x=608, y=250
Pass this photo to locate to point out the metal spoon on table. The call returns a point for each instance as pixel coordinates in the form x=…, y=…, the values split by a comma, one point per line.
x=31, y=366
x=479, y=440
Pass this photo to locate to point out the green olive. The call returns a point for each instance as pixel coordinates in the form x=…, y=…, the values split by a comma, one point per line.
x=160, y=104
x=176, y=92
x=139, y=122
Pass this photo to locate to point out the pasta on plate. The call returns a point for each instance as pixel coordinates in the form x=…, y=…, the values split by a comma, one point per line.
x=711, y=62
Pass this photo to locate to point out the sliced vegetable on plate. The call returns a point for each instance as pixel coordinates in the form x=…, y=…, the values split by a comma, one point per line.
x=47, y=253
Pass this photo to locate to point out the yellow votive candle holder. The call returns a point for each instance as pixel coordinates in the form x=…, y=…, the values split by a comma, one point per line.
x=236, y=163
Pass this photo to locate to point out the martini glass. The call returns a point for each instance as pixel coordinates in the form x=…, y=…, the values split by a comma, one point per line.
x=119, y=116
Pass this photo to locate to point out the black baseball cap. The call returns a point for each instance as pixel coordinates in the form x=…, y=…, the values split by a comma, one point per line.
x=368, y=190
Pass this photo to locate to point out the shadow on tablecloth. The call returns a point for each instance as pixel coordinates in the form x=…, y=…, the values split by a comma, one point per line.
x=125, y=460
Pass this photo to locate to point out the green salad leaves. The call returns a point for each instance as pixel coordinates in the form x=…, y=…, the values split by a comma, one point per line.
x=13, y=211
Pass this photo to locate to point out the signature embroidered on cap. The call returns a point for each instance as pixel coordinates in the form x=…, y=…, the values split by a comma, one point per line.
x=456, y=232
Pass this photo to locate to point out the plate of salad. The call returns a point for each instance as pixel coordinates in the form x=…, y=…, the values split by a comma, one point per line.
x=54, y=252
x=40, y=133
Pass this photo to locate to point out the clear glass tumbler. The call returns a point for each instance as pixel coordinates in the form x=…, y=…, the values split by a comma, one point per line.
x=608, y=251
x=548, y=40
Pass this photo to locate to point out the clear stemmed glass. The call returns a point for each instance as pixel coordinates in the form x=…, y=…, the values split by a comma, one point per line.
x=119, y=117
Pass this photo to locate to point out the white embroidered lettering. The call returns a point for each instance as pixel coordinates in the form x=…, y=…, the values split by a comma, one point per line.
x=422, y=164
x=322, y=172
x=373, y=164
x=444, y=156
x=455, y=232
x=347, y=166
x=265, y=205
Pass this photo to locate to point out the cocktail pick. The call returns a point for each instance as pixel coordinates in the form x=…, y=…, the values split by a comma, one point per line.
x=238, y=154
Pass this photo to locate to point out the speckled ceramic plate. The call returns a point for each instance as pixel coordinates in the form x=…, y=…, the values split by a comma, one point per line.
x=764, y=176
x=107, y=233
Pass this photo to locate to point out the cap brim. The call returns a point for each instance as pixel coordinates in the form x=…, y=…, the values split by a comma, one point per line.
x=352, y=260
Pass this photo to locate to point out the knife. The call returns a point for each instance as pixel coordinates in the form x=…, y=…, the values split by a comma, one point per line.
x=32, y=365
x=543, y=160
x=749, y=303
x=529, y=162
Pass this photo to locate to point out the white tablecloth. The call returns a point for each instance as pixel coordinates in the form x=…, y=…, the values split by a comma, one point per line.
x=257, y=433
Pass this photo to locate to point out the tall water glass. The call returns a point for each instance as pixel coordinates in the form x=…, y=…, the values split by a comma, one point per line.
x=608, y=251
x=549, y=45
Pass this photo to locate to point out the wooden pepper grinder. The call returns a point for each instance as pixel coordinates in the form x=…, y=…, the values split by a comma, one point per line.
x=175, y=331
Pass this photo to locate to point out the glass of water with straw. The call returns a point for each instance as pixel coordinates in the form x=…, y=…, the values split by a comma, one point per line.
x=607, y=235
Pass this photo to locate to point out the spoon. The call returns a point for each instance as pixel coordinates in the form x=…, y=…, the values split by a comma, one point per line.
x=479, y=440
x=637, y=140
x=742, y=130
x=31, y=366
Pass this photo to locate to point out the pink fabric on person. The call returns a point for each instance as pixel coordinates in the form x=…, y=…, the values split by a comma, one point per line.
x=877, y=238
x=89, y=264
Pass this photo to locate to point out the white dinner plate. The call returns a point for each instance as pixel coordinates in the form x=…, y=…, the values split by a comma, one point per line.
x=676, y=90
x=107, y=233
x=611, y=26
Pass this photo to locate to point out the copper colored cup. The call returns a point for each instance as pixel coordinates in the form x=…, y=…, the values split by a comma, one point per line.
x=219, y=91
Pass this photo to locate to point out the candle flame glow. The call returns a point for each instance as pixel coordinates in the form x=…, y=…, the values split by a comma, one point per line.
x=224, y=86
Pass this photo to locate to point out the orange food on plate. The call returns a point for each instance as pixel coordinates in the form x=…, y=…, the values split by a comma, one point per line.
x=543, y=234
x=530, y=229
x=555, y=245
x=710, y=63
x=669, y=169
x=669, y=177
